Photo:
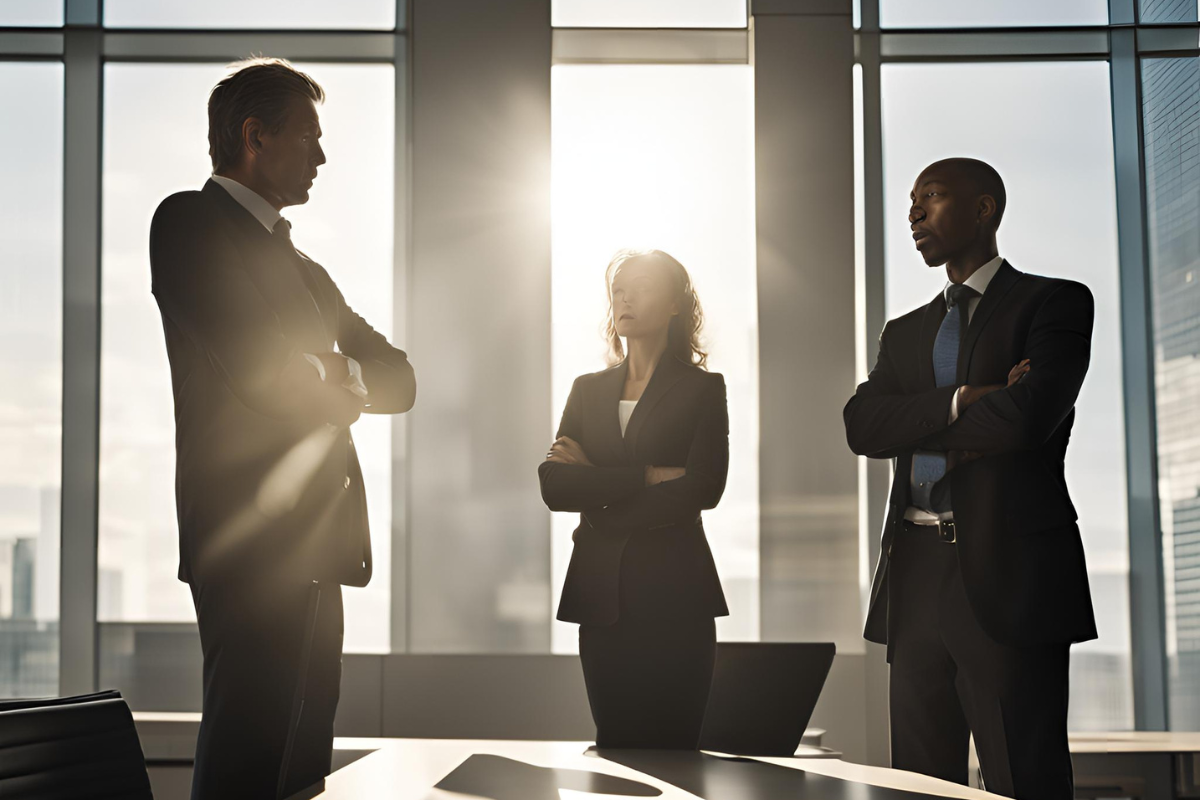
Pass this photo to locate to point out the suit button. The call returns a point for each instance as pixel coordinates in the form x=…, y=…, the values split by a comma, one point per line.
x=346, y=483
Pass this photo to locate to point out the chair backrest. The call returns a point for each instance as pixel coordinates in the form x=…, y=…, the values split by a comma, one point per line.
x=39, y=702
x=71, y=747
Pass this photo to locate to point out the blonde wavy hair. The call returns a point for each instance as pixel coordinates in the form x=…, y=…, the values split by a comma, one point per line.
x=683, y=335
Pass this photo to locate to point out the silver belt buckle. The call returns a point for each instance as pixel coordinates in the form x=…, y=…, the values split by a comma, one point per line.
x=946, y=531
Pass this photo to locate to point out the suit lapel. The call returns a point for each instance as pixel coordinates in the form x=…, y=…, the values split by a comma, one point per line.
x=304, y=267
x=606, y=405
x=275, y=265
x=931, y=321
x=667, y=373
x=1004, y=279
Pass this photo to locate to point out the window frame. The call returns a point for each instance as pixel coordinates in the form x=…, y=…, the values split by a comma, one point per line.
x=1122, y=43
x=84, y=46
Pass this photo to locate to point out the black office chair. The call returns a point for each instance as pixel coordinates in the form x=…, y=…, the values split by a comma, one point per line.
x=71, y=747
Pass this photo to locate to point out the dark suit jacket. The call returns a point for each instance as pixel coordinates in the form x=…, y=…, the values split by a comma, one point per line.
x=266, y=480
x=1018, y=543
x=646, y=542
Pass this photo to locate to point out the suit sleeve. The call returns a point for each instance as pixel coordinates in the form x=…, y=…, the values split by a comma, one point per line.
x=386, y=372
x=581, y=487
x=682, y=499
x=1024, y=415
x=884, y=422
x=202, y=288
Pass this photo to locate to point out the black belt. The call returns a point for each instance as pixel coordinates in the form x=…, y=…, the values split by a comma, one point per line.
x=944, y=529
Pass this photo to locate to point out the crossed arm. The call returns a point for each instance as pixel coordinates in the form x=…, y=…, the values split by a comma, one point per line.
x=647, y=496
x=203, y=289
x=883, y=422
x=386, y=372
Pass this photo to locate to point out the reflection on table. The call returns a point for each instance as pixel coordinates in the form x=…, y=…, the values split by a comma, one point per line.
x=440, y=769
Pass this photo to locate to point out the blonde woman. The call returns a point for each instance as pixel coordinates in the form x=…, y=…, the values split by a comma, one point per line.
x=643, y=448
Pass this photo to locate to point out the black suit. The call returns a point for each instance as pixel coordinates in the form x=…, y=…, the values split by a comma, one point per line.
x=966, y=623
x=642, y=582
x=269, y=490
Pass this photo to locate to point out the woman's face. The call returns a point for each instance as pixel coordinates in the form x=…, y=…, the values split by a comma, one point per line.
x=643, y=302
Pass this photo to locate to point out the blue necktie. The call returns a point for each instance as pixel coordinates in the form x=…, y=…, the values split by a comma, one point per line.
x=930, y=467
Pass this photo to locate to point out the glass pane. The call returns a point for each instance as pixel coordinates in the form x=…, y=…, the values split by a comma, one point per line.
x=684, y=184
x=990, y=14
x=347, y=227
x=238, y=14
x=1170, y=88
x=30, y=377
x=648, y=13
x=1061, y=221
x=31, y=13
x=1168, y=10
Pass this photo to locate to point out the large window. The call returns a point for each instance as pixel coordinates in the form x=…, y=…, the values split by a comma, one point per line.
x=662, y=157
x=270, y=14
x=1162, y=11
x=648, y=13
x=1047, y=128
x=31, y=13
x=990, y=14
x=31, y=96
x=347, y=227
x=1171, y=105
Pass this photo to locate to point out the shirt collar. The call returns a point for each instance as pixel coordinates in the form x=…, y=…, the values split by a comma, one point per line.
x=979, y=279
x=250, y=200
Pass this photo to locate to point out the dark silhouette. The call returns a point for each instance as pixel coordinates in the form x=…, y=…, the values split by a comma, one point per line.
x=501, y=778
x=642, y=582
x=271, y=504
x=721, y=778
x=981, y=586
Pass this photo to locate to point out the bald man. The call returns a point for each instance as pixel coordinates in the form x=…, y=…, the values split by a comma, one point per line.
x=981, y=585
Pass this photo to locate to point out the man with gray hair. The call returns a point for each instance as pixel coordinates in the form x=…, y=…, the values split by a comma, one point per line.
x=269, y=368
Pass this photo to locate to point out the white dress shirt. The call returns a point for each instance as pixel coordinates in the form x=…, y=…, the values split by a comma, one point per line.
x=269, y=216
x=978, y=281
x=624, y=412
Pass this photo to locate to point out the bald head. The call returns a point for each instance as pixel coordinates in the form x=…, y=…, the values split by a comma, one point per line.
x=957, y=205
x=976, y=177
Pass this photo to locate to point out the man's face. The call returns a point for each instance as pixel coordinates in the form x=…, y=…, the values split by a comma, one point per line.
x=944, y=215
x=288, y=160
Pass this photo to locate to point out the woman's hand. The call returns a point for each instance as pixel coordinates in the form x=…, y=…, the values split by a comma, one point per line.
x=1016, y=373
x=566, y=450
x=656, y=475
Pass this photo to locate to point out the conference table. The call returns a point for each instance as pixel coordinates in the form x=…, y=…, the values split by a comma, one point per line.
x=1149, y=765
x=441, y=769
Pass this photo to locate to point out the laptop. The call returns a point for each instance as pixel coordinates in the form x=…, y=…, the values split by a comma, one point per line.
x=763, y=695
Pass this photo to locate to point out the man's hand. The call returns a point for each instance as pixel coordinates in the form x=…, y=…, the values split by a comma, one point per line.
x=967, y=395
x=656, y=475
x=337, y=368
x=1016, y=373
x=970, y=395
x=566, y=450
